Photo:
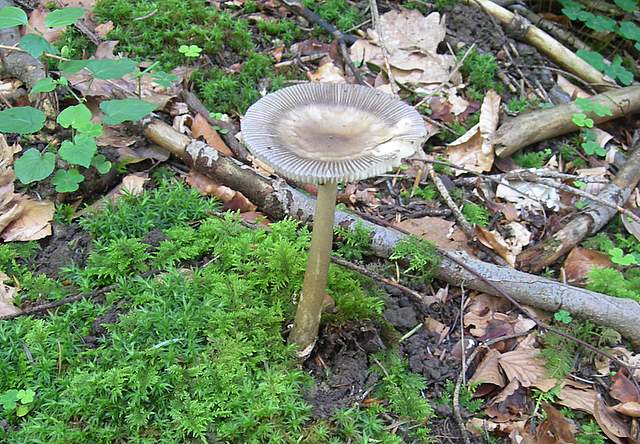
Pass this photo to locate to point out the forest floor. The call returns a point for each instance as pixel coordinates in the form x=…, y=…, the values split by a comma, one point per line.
x=144, y=301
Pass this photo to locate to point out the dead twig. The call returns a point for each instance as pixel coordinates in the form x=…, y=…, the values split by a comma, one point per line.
x=375, y=21
x=462, y=221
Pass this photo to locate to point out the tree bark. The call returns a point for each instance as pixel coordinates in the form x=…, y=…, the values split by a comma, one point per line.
x=277, y=199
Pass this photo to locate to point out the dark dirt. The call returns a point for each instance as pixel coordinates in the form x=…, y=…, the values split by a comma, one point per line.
x=98, y=332
x=68, y=245
x=470, y=25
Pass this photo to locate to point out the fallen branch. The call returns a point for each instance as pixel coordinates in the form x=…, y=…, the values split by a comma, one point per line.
x=546, y=44
x=588, y=222
x=277, y=199
x=543, y=124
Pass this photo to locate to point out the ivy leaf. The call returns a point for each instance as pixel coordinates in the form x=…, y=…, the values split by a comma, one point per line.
x=63, y=17
x=26, y=396
x=581, y=120
x=600, y=23
x=630, y=31
x=618, y=257
x=36, y=45
x=626, y=5
x=21, y=120
x=110, y=69
x=101, y=164
x=44, y=85
x=593, y=148
x=594, y=59
x=11, y=16
x=67, y=181
x=80, y=151
x=617, y=71
x=74, y=116
x=33, y=166
x=118, y=111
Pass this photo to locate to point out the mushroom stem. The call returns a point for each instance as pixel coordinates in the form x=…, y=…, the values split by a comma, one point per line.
x=307, y=321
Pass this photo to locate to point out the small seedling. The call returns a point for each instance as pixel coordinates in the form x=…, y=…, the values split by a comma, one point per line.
x=191, y=51
x=563, y=316
x=17, y=400
x=582, y=120
x=618, y=257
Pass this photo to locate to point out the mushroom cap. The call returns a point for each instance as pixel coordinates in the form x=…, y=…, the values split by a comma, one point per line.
x=327, y=132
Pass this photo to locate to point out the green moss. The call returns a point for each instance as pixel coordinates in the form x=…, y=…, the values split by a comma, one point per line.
x=284, y=29
x=532, y=159
x=476, y=214
x=480, y=72
x=337, y=12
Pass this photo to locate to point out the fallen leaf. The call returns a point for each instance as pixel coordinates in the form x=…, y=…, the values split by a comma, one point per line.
x=510, y=404
x=208, y=187
x=103, y=29
x=327, y=73
x=239, y=202
x=36, y=22
x=581, y=261
x=631, y=225
x=435, y=326
x=32, y=224
x=494, y=240
x=556, y=428
x=629, y=409
x=528, y=195
x=623, y=389
x=612, y=424
x=440, y=231
x=527, y=367
x=571, y=89
x=200, y=127
x=7, y=295
x=474, y=149
x=488, y=371
x=577, y=399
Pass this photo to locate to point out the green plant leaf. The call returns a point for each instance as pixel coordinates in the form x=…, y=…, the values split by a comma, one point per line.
x=74, y=116
x=629, y=30
x=44, y=85
x=594, y=59
x=101, y=164
x=587, y=105
x=619, y=72
x=63, y=17
x=26, y=396
x=593, y=148
x=110, y=69
x=90, y=129
x=572, y=11
x=581, y=120
x=192, y=51
x=33, y=166
x=80, y=151
x=36, y=45
x=563, y=316
x=72, y=66
x=626, y=5
x=67, y=181
x=9, y=399
x=11, y=16
x=618, y=257
x=22, y=410
x=118, y=111
x=164, y=79
x=21, y=120
x=600, y=23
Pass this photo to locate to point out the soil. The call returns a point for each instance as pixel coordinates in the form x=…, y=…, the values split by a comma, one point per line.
x=68, y=245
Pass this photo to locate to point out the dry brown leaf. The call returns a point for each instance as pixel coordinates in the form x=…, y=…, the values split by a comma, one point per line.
x=103, y=29
x=555, y=429
x=629, y=409
x=33, y=223
x=208, y=187
x=623, y=389
x=571, y=89
x=7, y=295
x=435, y=326
x=239, y=202
x=510, y=404
x=488, y=371
x=200, y=127
x=577, y=399
x=581, y=261
x=327, y=73
x=474, y=150
x=631, y=225
x=494, y=240
x=612, y=424
x=526, y=366
x=437, y=230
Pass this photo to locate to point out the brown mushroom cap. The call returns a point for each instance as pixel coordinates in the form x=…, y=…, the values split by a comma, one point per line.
x=325, y=132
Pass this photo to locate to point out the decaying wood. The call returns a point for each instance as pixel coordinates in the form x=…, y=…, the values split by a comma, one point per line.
x=546, y=44
x=543, y=124
x=277, y=199
x=585, y=223
x=18, y=64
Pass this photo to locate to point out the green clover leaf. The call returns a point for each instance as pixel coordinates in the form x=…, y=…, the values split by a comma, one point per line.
x=588, y=105
x=618, y=257
x=44, y=85
x=619, y=72
x=22, y=410
x=581, y=120
x=629, y=30
x=594, y=59
x=67, y=181
x=626, y=5
x=593, y=148
x=101, y=164
x=80, y=151
x=33, y=166
x=563, y=316
x=192, y=51
x=26, y=396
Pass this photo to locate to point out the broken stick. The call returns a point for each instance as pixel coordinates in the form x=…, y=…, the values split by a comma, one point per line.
x=277, y=199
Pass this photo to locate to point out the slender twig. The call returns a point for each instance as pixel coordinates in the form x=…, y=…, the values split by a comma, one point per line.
x=462, y=221
x=375, y=21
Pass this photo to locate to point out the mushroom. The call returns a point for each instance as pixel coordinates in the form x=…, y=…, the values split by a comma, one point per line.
x=326, y=133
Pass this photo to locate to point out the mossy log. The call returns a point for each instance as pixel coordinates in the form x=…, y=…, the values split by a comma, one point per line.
x=278, y=199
